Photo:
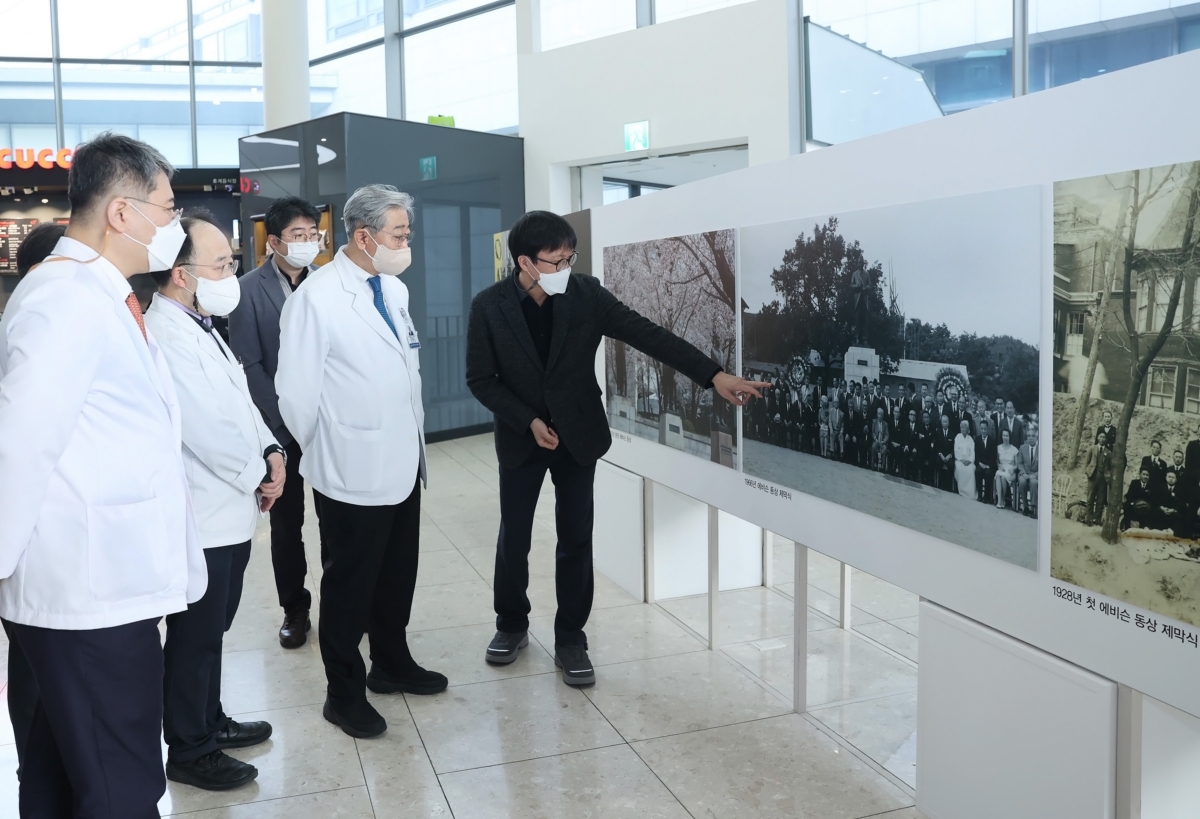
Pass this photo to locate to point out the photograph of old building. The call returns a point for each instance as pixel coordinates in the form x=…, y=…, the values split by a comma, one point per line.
x=1126, y=472
x=902, y=348
x=685, y=284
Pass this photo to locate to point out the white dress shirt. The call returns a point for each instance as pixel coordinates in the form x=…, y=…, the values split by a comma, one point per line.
x=97, y=526
x=349, y=389
x=224, y=435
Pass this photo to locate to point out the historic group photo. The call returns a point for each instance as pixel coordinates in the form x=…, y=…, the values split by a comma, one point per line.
x=1127, y=388
x=902, y=349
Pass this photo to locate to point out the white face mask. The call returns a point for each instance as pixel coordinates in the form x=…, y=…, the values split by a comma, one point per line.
x=299, y=254
x=554, y=284
x=164, y=244
x=390, y=262
x=217, y=297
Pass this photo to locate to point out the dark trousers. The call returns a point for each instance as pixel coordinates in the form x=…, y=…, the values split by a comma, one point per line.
x=1097, y=499
x=984, y=480
x=287, y=542
x=22, y=692
x=370, y=557
x=93, y=750
x=192, y=713
x=573, y=513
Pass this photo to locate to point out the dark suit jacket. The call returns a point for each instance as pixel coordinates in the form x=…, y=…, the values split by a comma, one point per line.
x=985, y=454
x=505, y=372
x=1158, y=471
x=1137, y=492
x=254, y=339
x=1016, y=435
x=1108, y=436
x=1191, y=457
x=943, y=444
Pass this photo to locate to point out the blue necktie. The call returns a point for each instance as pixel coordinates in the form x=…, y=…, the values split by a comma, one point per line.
x=377, y=286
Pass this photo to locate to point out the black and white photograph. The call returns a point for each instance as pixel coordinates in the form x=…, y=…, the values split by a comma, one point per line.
x=686, y=284
x=902, y=348
x=1126, y=414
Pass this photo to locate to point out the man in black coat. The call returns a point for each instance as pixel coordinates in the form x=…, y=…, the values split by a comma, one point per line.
x=985, y=461
x=531, y=356
x=1139, y=503
x=293, y=236
x=1156, y=464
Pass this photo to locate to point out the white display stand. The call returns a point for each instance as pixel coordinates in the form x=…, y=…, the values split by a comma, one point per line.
x=681, y=547
x=1121, y=121
x=617, y=536
x=1005, y=730
x=1170, y=762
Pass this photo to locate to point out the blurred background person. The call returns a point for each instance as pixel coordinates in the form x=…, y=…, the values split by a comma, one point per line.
x=294, y=239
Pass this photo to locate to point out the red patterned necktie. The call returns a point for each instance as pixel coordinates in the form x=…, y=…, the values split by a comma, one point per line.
x=132, y=303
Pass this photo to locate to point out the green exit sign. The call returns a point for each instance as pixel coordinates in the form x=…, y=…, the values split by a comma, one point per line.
x=428, y=168
x=637, y=136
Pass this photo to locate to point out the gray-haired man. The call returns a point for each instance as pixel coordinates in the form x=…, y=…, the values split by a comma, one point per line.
x=350, y=393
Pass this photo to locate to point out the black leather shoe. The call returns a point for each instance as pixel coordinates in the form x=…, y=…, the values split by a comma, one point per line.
x=414, y=681
x=362, y=721
x=243, y=734
x=576, y=667
x=216, y=771
x=294, y=631
x=505, y=645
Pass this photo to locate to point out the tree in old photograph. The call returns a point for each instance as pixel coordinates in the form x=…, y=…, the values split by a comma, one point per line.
x=686, y=284
x=830, y=298
x=1162, y=274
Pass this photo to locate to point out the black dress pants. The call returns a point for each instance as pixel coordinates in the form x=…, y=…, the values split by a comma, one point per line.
x=192, y=713
x=573, y=514
x=93, y=750
x=22, y=692
x=370, y=557
x=287, y=542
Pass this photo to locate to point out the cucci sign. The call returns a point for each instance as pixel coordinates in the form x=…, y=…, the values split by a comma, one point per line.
x=26, y=158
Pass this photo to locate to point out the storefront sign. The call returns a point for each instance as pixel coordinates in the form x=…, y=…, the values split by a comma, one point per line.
x=26, y=158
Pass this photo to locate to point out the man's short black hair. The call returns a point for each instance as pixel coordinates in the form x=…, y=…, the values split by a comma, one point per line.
x=187, y=251
x=37, y=245
x=287, y=210
x=112, y=165
x=538, y=232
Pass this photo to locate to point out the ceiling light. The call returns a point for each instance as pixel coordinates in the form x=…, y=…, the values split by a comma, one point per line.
x=323, y=139
x=45, y=201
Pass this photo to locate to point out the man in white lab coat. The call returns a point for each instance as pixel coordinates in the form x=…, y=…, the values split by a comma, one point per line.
x=349, y=387
x=235, y=468
x=98, y=540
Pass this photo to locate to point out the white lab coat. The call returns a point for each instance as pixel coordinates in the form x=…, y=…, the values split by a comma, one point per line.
x=349, y=390
x=223, y=432
x=96, y=524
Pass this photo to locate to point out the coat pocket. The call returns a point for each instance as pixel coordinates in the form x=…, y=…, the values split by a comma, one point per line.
x=127, y=550
x=357, y=456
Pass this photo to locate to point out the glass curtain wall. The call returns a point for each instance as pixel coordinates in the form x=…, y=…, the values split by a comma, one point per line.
x=183, y=75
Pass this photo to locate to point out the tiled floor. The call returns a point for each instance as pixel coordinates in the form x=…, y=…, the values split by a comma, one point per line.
x=669, y=730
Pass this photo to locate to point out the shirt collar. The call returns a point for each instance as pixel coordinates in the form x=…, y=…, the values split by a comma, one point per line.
x=205, y=320
x=114, y=280
x=304, y=272
x=522, y=294
x=360, y=276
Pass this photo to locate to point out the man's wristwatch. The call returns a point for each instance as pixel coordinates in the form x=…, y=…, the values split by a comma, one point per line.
x=267, y=453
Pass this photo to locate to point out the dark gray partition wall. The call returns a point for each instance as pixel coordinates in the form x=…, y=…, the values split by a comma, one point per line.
x=468, y=186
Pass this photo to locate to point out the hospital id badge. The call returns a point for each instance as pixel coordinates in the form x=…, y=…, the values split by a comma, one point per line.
x=413, y=342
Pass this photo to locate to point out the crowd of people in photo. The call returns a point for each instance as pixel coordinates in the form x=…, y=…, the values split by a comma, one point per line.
x=1163, y=495
x=937, y=437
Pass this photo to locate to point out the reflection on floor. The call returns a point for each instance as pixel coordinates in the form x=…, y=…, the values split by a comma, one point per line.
x=669, y=730
x=862, y=683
